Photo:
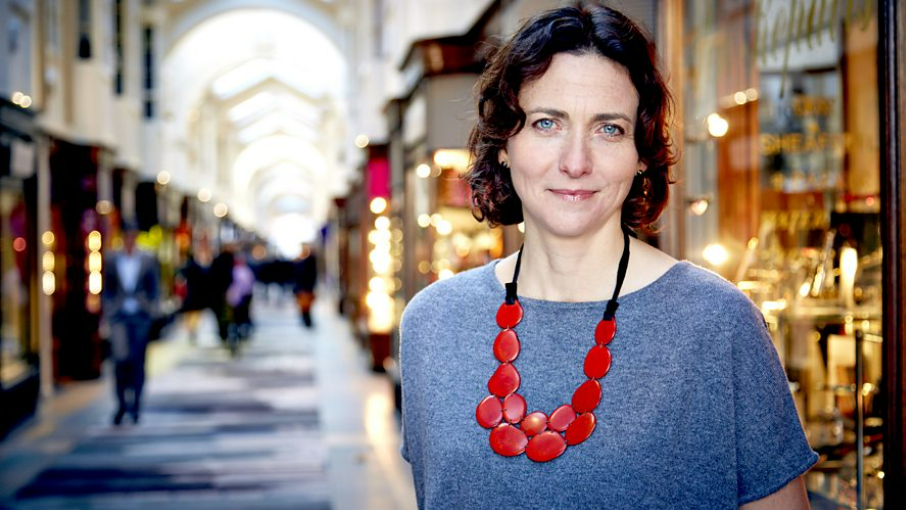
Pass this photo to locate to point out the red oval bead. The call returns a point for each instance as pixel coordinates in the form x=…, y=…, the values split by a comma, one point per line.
x=586, y=396
x=545, y=446
x=489, y=412
x=514, y=408
x=605, y=331
x=561, y=418
x=507, y=440
x=597, y=362
x=509, y=315
x=504, y=381
x=580, y=429
x=534, y=423
x=506, y=346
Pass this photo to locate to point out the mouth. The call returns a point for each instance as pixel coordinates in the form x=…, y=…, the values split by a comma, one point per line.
x=573, y=195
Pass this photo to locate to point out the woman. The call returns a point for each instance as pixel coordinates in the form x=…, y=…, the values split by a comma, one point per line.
x=549, y=395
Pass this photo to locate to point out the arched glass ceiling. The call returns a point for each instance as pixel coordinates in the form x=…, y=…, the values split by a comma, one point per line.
x=245, y=46
x=276, y=81
x=269, y=151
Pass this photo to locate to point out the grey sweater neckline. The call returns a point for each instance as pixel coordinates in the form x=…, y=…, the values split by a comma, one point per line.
x=493, y=284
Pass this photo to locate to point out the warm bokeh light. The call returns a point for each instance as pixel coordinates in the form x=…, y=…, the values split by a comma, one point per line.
x=94, y=283
x=457, y=159
x=104, y=207
x=444, y=228
x=424, y=220
x=95, y=262
x=378, y=205
x=48, y=238
x=48, y=283
x=48, y=261
x=204, y=194
x=699, y=207
x=715, y=254
x=94, y=240
x=221, y=210
x=163, y=177
x=849, y=263
x=19, y=244
x=362, y=141
x=377, y=284
x=22, y=100
x=382, y=223
x=423, y=171
x=717, y=125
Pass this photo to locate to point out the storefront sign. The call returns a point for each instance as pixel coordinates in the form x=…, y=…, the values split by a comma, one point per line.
x=782, y=24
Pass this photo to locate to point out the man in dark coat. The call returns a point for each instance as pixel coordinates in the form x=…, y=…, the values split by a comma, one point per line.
x=130, y=302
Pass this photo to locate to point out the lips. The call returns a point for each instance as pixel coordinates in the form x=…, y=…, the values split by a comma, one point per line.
x=573, y=195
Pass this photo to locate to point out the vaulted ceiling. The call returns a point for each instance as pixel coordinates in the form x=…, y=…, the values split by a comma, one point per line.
x=254, y=101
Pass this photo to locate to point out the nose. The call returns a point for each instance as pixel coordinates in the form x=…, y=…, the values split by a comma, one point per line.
x=575, y=160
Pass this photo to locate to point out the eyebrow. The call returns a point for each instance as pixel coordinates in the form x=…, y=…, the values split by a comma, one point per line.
x=560, y=114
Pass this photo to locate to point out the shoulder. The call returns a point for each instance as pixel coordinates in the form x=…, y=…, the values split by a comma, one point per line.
x=440, y=299
x=702, y=293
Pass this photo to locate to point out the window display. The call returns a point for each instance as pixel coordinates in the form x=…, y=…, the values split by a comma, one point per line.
x=781, y=178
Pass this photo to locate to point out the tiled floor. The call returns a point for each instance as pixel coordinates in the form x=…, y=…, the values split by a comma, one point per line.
x=297, y=421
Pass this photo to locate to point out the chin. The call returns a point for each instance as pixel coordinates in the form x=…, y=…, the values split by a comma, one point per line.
x=571, y=229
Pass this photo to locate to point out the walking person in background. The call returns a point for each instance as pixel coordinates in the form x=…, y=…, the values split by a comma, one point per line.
x=305, y=275
x=221, y=276
x=239, y=296
x=195, y=276
x=130, y=302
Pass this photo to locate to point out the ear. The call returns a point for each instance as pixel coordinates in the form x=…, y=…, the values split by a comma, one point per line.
x=503, y=158
x=642, y=166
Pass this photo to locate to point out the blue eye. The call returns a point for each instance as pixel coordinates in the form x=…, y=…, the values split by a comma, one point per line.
x=612, y=130
x=544, y=124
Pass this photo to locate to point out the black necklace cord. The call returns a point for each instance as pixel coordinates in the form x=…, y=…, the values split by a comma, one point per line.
x=511, y=287
x=612, y=305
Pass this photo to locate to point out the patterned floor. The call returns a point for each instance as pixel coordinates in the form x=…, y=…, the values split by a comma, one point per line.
x=215, y=433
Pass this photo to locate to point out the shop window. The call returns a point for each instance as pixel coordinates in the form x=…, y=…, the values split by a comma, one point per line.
x=781, y=181
x=15, y=350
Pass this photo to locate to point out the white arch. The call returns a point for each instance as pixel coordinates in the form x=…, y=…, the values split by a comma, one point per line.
x=222, y=44
x=271, y=150
x=314, y=12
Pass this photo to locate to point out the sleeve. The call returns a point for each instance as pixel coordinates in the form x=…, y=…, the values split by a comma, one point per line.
x=771, y=447
x=403, y=358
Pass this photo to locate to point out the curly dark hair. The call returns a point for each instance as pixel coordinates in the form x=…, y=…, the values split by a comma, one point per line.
x=585, y=27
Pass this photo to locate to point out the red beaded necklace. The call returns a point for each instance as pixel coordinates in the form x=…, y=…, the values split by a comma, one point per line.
x=539, y=436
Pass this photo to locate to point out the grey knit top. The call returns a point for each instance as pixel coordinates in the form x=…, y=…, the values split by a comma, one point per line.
x=696, y=410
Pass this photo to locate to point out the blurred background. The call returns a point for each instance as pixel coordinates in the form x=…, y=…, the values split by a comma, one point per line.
x=320, y=145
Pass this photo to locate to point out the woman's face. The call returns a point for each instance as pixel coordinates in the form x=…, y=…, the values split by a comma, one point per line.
x=573, y=163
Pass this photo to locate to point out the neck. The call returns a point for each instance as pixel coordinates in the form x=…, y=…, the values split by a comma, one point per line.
x=571, y=269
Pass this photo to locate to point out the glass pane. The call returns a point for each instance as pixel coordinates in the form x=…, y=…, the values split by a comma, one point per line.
x=781, y=176
x=14, y=348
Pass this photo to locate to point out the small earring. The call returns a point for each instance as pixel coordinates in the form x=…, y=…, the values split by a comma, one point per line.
x=504, y=164
x=640, y=172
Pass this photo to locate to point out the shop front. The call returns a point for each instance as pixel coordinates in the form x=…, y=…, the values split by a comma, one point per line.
x=783, y=190
x=19, y=378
